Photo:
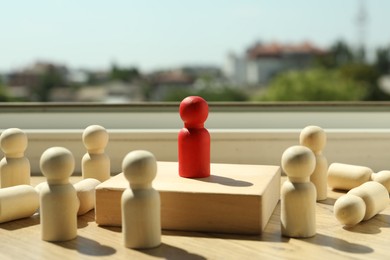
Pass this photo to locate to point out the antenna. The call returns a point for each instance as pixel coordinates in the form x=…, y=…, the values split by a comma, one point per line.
x=361, y=24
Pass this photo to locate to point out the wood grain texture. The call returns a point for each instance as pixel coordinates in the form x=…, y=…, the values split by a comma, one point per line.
x=234, y=199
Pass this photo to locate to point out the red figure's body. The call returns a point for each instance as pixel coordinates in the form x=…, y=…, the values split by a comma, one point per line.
x=194, y=139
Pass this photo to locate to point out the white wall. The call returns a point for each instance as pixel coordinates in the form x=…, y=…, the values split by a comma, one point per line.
x=361, y=147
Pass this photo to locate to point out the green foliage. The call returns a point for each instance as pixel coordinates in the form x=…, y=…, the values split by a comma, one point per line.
x=365, y=74
x=351, y=65
x=382, y=60
x=50, y=79
x=339, y=54
x=4, y=96
x=359, y=72
x=124, y=74
x=314, y=85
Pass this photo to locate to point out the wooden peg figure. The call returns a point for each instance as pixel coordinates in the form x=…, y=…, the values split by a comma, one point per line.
x=58, y=199
x=194, y=139
x=383, y=177
x=86, y=194
x=298, y=193
x=314, y=137
x=141, y=222
x=95, y=163
x=343, y=176
x=14, y=167
x=16, y=202
x=361, y=203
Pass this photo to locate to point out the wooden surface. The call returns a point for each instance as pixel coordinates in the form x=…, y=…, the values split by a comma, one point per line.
x=369, y=240
x=236, y=198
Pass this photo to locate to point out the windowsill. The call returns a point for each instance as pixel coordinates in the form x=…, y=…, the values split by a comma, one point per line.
x=358, y=133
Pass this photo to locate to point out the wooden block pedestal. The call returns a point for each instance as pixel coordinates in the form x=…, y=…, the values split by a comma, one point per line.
x=236, y=198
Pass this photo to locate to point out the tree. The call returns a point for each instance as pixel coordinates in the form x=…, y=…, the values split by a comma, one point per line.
x=382, y=61
x=367, y=75
x=339, y=54
x=353, y=66
x=124, y=74
x=4, y=97
x=313, y=85
x=50, y=79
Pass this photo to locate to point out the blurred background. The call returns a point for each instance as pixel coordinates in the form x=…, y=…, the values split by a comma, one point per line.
x=138, y=51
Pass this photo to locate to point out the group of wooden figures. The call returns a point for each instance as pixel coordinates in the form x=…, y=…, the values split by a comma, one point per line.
x=309, y=178
x=59, y=202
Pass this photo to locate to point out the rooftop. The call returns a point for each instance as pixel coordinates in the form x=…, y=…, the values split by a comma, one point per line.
x=276, y=49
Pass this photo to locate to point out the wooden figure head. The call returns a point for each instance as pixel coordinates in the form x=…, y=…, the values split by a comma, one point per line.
x=313, y=137
x=139, y=168
x=57, y=165
x=95, y=138
x=194, y=111
x=13, y=141
x=298, y=162
x=349, y=209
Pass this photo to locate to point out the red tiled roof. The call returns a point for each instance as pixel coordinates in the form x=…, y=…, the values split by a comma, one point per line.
x=276, y=49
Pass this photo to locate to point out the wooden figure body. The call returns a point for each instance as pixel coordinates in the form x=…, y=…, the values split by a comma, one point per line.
x=17, y=202
x=58, y=198
x=86, y=194
x=95, y=163
x=14, y=167
x=39, y=186
x=141, y=222
x=298, y=194
x=361, y=203
x=194, y=139
x=314, y=138
x=346, y=176
x=383, y=177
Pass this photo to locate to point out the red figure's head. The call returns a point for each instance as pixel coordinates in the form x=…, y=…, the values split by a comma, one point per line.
x=194, y=111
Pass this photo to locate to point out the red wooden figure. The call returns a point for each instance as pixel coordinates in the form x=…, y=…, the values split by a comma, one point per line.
x=194, y=139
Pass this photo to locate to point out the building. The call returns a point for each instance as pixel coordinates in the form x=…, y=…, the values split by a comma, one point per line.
x=110, y=92
x=261, y=62
x=24, y=84
x=162, y=83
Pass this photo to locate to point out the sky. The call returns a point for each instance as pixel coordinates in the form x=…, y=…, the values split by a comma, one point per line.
x=147, y=34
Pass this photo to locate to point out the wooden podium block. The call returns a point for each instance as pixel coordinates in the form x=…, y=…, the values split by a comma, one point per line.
x=234, y=199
